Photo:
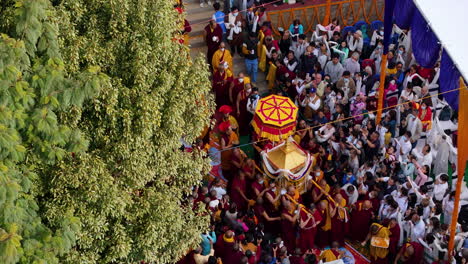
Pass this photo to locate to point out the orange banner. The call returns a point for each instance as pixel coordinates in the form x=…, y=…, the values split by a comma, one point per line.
x=461, y=158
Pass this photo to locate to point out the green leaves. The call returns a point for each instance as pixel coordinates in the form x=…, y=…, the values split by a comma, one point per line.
x=94, y=98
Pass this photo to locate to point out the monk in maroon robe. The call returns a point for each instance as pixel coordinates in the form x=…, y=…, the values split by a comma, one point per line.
x=339, y=219
x=234, y=255
x=411, y=253
x=244, y=117
x=308, y=228
x=258, y=186
x=222, y=79
x=394, y=237
x=361, y=219
x=224, y=245
x=323, y=237
x=288, y=223
x=239, y=190
x=297, y=258
x=213, y=37
x=236, y=86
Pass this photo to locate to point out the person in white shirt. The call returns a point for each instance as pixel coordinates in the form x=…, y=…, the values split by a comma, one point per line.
x=424, y=156
x=377, y=35
x=414, y=126
x=352, y=64
x=448, y=204
x=407, y=94
x=355, y=41
x=325, y=132
x=334, y=68
x=401, y=197
x=352, y=193
x=219, y=188
x=300, y=46
x=403, y=145
x=416, y=228
x=440, y=187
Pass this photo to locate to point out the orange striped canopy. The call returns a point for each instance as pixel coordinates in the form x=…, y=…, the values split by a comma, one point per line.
x=275, y=117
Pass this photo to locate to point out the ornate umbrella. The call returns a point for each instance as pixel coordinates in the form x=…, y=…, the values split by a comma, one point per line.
x=275, y=118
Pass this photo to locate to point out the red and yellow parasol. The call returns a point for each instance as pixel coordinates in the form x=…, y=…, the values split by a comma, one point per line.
x=275, y=118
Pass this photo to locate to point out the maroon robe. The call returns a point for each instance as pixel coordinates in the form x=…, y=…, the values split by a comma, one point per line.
x=270, y=209
x=360, y=222
x=308, y=233
x=236, y=197
x=244, y=117
x=288, y=232
x=282, y=70
x=256, y=186
x=213, y=46
x=297, y=260
x=221, y=82
x=375, y=205
x=222, y=248
x=338, y=229
x=323, y=237
x=233, y=257
x=238, y=86
x=418, y=254
x=394, y=239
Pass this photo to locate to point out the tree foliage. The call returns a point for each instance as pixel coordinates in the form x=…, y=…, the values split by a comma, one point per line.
x=95, y=96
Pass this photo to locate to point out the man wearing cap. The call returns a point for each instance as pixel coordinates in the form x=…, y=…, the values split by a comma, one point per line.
x=355, y=41
x=334, y=68
x=352, y=64
x=225, y=112
x=213, y=35
x=222, y=55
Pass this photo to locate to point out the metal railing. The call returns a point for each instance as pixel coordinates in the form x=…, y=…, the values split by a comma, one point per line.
x=347, y=12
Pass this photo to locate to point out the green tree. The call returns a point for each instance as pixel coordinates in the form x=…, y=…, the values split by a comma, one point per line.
x=34, y=89
x=122, y=200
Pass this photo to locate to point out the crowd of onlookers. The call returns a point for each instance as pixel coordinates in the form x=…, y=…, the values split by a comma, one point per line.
x=383, y=187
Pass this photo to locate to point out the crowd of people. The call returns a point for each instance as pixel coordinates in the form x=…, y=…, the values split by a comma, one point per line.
x=382, y=187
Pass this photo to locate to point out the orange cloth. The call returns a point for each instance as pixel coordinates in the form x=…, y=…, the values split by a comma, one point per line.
x=377, y=252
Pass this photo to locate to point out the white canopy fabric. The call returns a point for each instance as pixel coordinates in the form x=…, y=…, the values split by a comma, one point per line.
x=447, y=19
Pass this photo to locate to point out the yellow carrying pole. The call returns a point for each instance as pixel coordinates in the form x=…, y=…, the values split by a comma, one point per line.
x=326, y=19
x=324, y=192
x=461, y=160
x=296, y=203
x=383, y=71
